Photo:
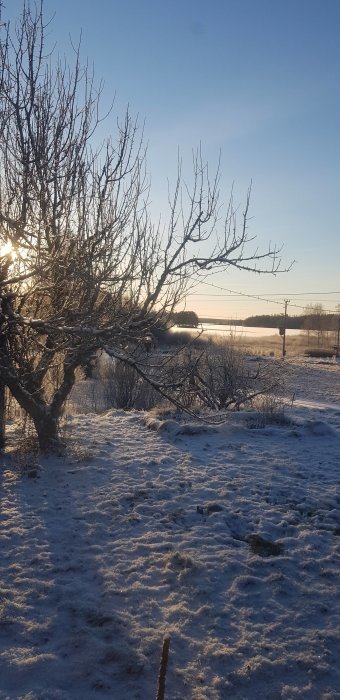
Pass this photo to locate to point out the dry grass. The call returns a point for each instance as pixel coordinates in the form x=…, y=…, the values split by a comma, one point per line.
x=272, y=345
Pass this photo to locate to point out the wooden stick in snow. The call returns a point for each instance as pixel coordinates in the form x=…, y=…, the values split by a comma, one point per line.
x=163, y=669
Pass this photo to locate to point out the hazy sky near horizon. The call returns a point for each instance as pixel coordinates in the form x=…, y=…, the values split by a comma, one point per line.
x=258, y=79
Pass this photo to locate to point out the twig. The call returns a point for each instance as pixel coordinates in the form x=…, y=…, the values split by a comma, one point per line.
x=163, y=669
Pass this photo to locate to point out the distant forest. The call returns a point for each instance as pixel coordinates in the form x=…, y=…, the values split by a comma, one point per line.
x=309, y=321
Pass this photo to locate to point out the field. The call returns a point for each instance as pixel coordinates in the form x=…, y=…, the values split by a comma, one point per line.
x=226, y=538
x=265, y=340
x=296, y=344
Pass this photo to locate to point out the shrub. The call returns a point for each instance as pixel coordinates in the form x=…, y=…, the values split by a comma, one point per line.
x=222, y=377
x=124, y=388
x=317, y=352
x=271, y=411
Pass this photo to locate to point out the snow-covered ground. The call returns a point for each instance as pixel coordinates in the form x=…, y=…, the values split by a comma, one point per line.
x=226, y=539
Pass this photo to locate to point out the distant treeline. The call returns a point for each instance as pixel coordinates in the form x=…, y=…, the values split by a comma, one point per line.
x=317, y=320
x=274, y=321
x=186, y=319
x=310, y=321
x=222, y=321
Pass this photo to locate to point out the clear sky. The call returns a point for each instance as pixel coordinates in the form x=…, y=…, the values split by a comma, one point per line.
x=258, y=79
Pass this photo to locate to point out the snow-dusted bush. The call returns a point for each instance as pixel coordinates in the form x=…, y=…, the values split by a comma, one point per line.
x=223, y=377
x=272, y=410
x=124, y=388
x=216, y=376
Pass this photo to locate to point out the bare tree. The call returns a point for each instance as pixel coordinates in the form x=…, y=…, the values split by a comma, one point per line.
x=85, y=268
x=316, y=322
x=2, y=347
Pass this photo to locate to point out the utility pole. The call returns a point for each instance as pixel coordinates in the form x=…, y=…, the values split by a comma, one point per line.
x=284, y=329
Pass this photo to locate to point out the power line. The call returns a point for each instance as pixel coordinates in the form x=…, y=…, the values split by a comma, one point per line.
x=260, y=298
x=296, y=294
x=232, y=296
x=283, y=294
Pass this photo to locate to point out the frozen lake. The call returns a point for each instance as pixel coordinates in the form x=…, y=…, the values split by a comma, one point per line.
x=240, y=331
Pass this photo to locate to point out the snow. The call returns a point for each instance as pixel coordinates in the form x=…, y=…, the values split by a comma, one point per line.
x=226, y=538
x=226, y=330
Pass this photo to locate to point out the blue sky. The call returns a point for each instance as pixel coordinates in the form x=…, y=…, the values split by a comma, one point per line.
x=258, y=79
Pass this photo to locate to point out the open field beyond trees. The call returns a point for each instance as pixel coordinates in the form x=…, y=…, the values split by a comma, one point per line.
x=263, y=340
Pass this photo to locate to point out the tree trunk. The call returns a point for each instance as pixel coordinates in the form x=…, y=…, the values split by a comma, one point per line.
x=44, y=416
x=2, y=414
x=47, y=432
x=45, y=420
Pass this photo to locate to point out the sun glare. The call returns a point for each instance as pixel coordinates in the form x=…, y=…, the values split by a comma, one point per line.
x=7, y=250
